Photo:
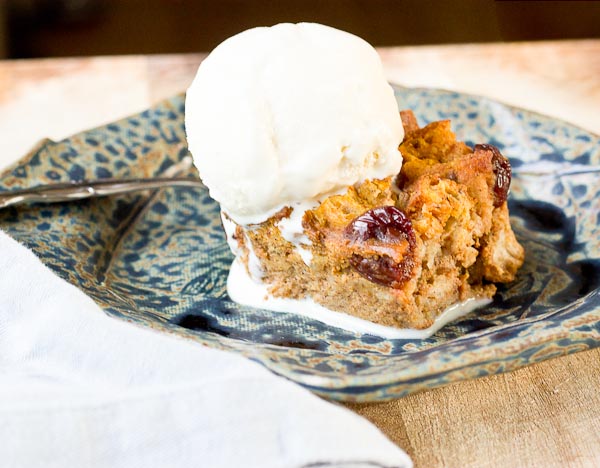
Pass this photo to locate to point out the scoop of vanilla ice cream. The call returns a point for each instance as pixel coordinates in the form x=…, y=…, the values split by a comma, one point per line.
x=285, y=114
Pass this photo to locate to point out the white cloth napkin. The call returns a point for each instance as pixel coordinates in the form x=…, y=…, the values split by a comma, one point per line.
x=81, y=389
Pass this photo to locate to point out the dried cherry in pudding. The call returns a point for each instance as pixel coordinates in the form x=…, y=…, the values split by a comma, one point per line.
x=502, y=171
x=378, y=230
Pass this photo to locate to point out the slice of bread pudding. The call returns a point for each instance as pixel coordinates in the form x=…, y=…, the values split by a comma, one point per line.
x=401, y=250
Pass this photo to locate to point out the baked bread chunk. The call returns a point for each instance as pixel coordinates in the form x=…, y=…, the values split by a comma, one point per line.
x=400, y=250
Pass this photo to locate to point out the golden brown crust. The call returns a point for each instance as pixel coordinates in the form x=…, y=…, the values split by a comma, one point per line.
x=460, y=241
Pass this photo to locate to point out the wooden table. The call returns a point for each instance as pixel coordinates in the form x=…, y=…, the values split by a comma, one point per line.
x=544, y=415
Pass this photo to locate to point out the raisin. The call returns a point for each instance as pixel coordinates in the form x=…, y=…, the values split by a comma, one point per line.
x=389, y=228
x=502, y=171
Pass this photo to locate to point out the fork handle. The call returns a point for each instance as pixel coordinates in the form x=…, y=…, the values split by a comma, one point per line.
x=54, y=193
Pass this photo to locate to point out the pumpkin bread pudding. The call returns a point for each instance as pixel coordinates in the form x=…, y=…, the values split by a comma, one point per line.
x=334, y=201
x=398, y=251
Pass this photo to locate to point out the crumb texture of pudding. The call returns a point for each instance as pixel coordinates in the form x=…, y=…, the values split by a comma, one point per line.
x=398, y=251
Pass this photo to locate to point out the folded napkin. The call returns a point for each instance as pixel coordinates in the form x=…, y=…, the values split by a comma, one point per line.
x=81, y=389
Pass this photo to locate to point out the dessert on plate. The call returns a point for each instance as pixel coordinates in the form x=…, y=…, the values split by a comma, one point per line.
x=333, y=200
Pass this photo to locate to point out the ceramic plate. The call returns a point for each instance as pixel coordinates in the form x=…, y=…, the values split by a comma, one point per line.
x=160, y=259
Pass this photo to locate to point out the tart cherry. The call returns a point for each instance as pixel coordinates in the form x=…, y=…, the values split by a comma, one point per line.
x=386, y=227
x=502, y=171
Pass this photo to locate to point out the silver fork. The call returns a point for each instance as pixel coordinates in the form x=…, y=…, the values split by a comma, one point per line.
x=53, y=193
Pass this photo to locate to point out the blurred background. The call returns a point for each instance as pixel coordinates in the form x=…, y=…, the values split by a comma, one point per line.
x=50, y=28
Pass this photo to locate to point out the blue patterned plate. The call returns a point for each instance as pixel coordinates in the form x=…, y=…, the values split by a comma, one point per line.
x=160, y=259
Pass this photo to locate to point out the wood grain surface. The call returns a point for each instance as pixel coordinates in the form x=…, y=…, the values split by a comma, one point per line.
x=543, y=415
